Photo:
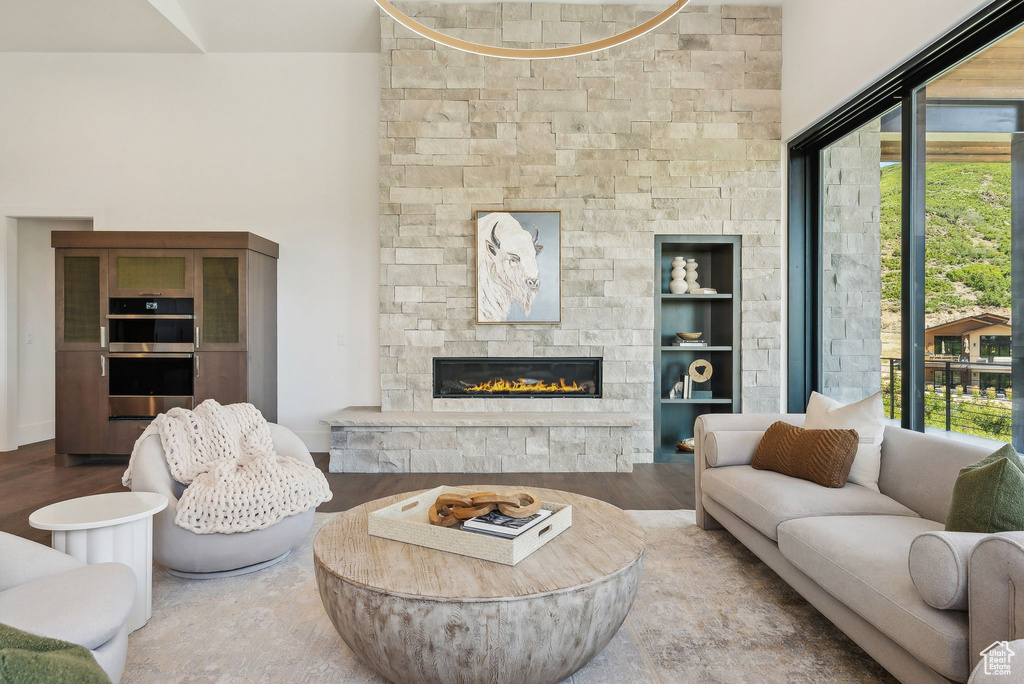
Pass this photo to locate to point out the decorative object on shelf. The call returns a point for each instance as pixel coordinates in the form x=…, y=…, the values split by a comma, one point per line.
x=701, y=370
x=518, y=267
x=704, y=290
x=678, y=390
x=689, y=339
x=531, y=53
x=677, y=285
x=450, y=508
x=691, y=276
x=686, y=445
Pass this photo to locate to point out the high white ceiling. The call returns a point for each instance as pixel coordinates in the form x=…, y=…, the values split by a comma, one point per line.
x=211, y=25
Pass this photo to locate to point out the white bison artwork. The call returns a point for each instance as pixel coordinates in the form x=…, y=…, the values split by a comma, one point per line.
x=508, y=271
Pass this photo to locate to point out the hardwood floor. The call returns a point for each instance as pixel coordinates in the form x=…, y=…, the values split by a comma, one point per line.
x=29, y=480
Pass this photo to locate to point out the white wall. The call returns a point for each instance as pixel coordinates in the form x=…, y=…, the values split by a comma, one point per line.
x=36, y=326
x=282, y=145
x=833, y=49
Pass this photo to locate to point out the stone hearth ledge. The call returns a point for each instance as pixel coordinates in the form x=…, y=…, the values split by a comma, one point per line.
x=368, y=440
x=372, y=416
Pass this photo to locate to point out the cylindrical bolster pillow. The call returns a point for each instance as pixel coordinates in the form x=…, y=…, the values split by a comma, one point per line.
x=731, y=447
x=938, y=567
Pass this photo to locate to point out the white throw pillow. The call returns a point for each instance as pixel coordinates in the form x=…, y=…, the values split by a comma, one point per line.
x=867, y=417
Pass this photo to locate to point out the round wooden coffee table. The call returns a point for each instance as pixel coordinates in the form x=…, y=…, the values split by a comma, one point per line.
x=419, y=615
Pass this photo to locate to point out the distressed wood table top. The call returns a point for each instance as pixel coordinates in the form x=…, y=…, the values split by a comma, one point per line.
x=603, y=540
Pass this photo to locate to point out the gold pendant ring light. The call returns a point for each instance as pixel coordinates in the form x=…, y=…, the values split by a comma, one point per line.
x=530, y=53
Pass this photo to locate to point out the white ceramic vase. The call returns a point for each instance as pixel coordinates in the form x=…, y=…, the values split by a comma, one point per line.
x=678, y=283
x=691, y=275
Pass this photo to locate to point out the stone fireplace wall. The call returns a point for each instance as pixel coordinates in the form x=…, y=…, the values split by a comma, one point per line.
x=675, y=132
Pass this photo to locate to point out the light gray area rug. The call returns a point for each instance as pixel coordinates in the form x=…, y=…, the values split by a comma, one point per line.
x=708, y=611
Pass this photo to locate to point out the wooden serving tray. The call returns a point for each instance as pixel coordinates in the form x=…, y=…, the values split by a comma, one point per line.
x=407, y=521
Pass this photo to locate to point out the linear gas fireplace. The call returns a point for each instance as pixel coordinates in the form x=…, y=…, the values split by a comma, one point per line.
x=517, y=377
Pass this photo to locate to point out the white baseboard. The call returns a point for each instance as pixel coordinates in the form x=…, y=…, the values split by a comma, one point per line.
x=317, y=441
x=36, y=432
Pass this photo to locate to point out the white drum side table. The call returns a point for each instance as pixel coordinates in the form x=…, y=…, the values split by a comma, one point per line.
x=109, y=528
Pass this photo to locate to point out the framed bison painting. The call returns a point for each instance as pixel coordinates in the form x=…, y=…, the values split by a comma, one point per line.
x=519, y=267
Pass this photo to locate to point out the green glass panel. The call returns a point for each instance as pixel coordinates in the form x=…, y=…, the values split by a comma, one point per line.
x=82, y=299
x=151, y=273
x=220, y=300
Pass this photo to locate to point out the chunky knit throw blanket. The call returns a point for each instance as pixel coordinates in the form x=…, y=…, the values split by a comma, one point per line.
x=235, y=482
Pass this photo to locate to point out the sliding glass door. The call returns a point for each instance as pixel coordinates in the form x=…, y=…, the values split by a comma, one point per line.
x=907, y=242
x=975, y=113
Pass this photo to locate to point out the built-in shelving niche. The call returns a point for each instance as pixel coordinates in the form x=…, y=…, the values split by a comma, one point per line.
x=717, y=316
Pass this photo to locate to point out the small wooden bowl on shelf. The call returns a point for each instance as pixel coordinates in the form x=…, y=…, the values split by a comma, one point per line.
x=686, y=445
x=689, y=335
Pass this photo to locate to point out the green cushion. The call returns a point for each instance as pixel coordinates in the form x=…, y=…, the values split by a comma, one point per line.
x=29, y=659
x=989, y=495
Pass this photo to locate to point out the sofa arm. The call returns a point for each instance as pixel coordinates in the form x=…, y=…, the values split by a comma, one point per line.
x=996, y=591
x=23, y=561
x=750, y=424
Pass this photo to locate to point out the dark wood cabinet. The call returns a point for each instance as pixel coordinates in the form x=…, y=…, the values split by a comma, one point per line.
x=221, y=376
x=229, y=282
x=81, y=402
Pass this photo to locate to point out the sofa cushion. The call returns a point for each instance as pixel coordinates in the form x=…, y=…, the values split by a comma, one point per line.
x=85, y=606
x=731, y=447
x=919, y=470
x=867, y=417
x=821, y=456
x=938, y=567
x=764, y=499
x=989, y=495
x=862, y=561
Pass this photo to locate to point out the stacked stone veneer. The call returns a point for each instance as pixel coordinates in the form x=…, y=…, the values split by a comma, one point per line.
x=483, y=449
x=676, y=132
x=852, y=266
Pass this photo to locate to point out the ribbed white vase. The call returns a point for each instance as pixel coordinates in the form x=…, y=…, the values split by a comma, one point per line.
x=678, y=283
x=691, y=275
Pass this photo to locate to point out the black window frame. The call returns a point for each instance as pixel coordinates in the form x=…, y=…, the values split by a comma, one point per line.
x=904, y=85
x=986, y=340
x=940, y=340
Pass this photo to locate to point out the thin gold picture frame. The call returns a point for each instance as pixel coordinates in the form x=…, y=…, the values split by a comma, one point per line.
x=476, y=252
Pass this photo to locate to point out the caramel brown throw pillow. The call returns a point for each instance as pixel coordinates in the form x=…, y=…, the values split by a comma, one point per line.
x=821, y=456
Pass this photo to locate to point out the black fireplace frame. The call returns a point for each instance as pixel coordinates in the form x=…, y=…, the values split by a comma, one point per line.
x=598, y=362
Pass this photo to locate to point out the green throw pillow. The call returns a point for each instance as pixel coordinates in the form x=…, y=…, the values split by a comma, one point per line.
x=988, y=495
x=29, y=659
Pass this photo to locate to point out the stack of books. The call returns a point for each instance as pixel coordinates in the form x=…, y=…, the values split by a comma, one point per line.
x=689, y=343
x=498, y=525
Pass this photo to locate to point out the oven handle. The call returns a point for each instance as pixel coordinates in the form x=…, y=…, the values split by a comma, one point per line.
x=150, y=317
x=151, y=355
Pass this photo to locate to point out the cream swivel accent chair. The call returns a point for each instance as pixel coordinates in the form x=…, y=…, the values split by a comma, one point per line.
x=52, y=594
x=202, y=556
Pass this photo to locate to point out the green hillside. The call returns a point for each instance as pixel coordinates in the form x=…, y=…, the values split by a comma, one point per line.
x=967, y=246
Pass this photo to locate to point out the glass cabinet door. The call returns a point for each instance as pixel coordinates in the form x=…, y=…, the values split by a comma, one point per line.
x=81, y=287
x=151, y=273
x=221, y=299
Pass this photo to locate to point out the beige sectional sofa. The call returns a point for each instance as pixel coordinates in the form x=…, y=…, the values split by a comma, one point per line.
x=847, y=550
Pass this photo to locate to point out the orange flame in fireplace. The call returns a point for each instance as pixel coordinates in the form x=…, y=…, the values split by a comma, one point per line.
x=524, y=385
